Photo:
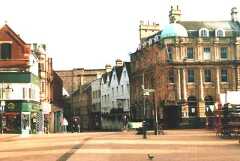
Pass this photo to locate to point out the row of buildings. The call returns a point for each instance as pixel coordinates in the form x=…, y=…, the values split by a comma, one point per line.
x=31, y=92
x=186, y=64
x=100, y=98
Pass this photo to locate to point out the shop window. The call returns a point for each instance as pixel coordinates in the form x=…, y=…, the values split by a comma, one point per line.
x=192, y=105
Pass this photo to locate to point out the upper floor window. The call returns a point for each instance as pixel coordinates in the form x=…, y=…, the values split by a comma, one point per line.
x=190, y=75
x=203, y=32
x=190, y=54
x=125, y=74
x=5, y=52
x=224, y=75
x=207, y=75
x=171, y=76
x=170, y=53
x=223, y=53
x=219, y=33
x=206, y=54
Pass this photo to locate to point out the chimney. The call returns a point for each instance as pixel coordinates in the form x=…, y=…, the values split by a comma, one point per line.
x=119, y=63
x=108, y=68
x=174, y=14
x=234, y=14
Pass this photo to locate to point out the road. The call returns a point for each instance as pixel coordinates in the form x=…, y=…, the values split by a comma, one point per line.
x=175, y=145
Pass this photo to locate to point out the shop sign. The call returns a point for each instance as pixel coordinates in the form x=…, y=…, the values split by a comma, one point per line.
x=11, y=106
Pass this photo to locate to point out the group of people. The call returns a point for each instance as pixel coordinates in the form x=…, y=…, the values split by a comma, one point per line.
x=74, y=125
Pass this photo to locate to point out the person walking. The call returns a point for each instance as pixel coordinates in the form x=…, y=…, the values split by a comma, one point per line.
x=65, y=124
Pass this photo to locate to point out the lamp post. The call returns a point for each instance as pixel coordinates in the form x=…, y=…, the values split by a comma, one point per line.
x=146, y=92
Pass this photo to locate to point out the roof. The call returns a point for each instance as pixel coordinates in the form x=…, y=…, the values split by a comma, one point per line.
x=211, y=25
x=174, y=30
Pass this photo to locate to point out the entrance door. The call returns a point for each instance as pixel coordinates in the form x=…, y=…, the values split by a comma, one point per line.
x=172, y=116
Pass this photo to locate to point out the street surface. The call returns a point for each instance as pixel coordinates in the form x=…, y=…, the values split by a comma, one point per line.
x=175, y=145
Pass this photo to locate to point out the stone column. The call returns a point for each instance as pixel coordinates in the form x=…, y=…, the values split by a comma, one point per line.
x=179, y=84
x=217, y=81
x=184, y=85
x=201, y=85
x=201, y=101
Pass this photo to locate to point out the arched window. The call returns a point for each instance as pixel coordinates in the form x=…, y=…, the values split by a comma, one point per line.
x=219, y=33
x=192, y=105
x=203, y=32
x=5, y=52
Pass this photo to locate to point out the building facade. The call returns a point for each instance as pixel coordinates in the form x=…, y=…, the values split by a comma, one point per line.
x=95, y=110
x=115, y=96
x=73, y=80
x=188, y=63
x=20, y=85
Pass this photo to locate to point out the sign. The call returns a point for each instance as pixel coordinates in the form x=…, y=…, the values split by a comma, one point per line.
x=11, y=106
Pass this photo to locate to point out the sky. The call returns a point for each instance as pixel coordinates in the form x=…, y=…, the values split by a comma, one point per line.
x=92, y=33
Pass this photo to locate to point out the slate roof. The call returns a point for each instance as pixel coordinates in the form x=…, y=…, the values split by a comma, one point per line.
x=211, y=25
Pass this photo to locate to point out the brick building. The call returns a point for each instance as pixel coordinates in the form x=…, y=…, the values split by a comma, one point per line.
x=188, y=63
x=20, y=85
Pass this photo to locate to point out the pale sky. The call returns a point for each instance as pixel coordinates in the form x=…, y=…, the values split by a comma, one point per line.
x=92, y=33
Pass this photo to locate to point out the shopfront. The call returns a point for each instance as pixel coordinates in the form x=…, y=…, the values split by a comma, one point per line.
x=12, y=117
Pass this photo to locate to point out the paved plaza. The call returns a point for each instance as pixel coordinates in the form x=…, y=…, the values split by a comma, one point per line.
x=175, y=145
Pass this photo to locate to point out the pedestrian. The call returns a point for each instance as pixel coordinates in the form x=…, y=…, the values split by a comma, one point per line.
x=65, y=124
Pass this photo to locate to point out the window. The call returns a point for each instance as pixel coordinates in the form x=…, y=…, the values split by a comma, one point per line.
x=190, y=75
x=171, y=76
x=223, y=53
x=125, y=74
x=170, y=53
x=224, y=75
x=206, y=54
x=122, y=89
x=219, y=33
x=207, y=75
x=5, y=51
x=203, y=32
x=113, y=91
x=30, y=93
x=190, y=54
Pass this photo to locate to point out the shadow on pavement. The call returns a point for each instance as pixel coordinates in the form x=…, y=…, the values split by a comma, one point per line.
x=68, y=154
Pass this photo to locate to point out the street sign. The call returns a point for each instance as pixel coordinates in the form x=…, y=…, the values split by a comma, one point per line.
x=149, y=90
x=146, y=93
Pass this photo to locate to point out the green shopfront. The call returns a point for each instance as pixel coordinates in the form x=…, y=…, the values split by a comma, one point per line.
x=22, y=112
x=22, y=117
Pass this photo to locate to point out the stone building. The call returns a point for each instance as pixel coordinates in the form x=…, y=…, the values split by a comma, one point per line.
x=188, y=63
x=115, y=96
x=74, y=82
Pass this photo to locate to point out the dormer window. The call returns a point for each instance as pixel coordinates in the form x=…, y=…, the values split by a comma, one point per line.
x=203, y=32
x=219, y=33
x=5, y=52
